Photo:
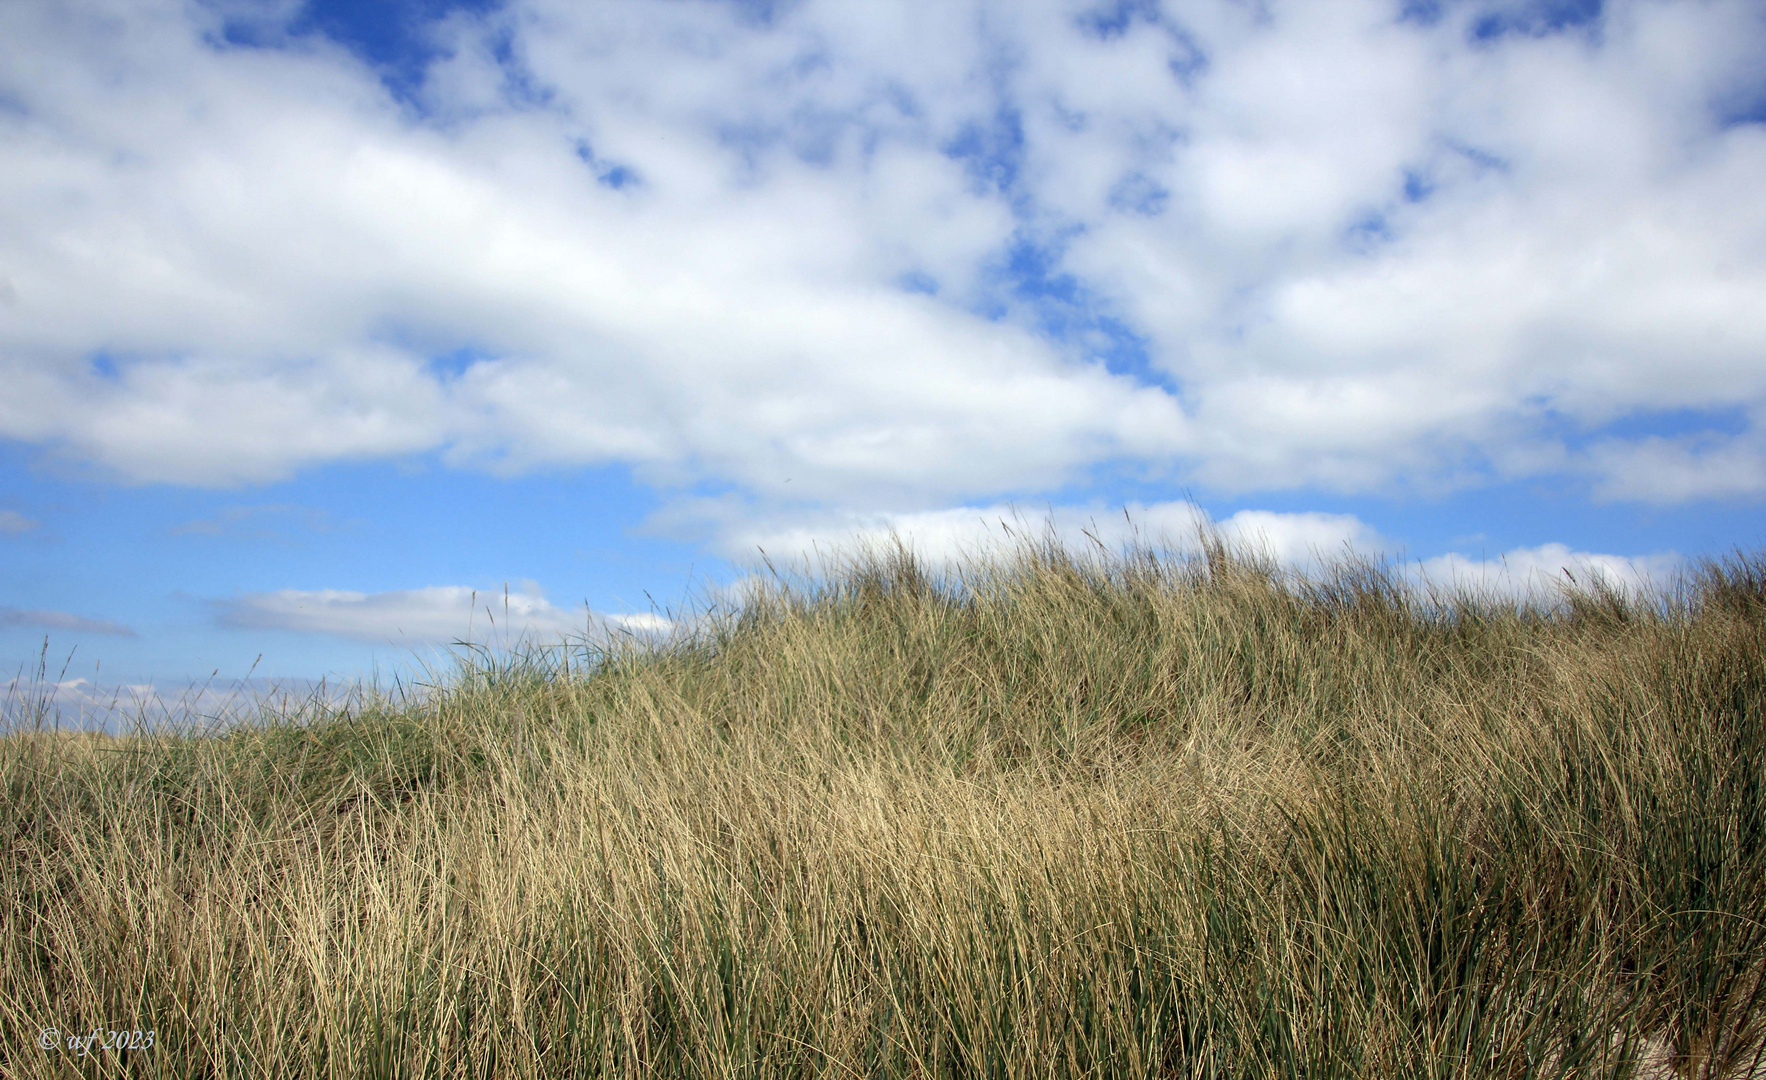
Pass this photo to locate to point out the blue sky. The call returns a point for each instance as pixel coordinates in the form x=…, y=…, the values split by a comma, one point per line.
x=322, y=324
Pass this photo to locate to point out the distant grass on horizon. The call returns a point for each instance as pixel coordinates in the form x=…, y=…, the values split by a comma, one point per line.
x=1052, y=814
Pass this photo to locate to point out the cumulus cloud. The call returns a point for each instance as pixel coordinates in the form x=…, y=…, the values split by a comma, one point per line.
x=1359, y=249
x=1305, y=543
x=62, y=620
x=1549, y=224
x=279, y=270
x=1546, y=571
x=438, y=614
x=948, y=537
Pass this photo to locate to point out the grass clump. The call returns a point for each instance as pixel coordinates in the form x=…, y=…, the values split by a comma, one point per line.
x=1049, y=815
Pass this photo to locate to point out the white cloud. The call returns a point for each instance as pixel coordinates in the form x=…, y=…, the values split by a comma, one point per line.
x=1661, y=470
x=268, y=250
x=1305, y=543
x=1586, y=245
x=13, y=523
x=948, y=537
x=1544, y=572
x=643, y=622
x=205, y=705
x=437, y=614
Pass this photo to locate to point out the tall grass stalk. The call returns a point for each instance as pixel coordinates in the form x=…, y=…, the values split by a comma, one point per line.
x=1050, y=815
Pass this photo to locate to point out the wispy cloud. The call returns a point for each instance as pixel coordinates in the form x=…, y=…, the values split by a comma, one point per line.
x=84, y=704
x=438, y=614
x=62, y=620
x=13, y=523
x=1662, y=470
x=255, y=522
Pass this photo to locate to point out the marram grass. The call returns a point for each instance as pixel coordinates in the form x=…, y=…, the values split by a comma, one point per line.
x=1050, y=816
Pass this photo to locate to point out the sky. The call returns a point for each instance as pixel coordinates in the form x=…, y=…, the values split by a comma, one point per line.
x=334, y=332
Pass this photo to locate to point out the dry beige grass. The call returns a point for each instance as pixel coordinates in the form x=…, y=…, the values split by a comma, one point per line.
x=1058, y=817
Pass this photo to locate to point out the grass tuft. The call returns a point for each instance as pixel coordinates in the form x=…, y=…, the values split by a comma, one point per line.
x=1052, y=814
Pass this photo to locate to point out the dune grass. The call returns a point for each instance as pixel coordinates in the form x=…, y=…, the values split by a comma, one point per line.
x=1050, y=815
